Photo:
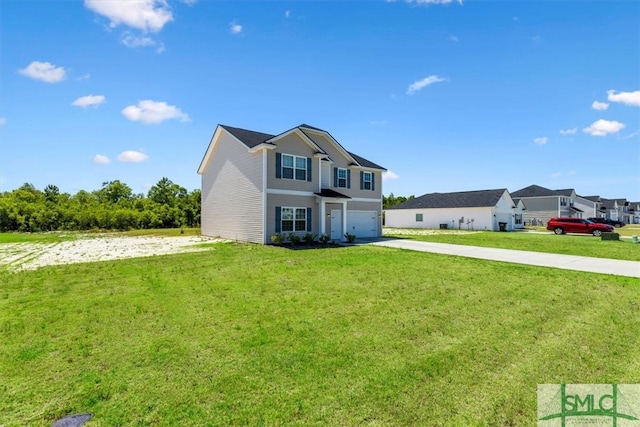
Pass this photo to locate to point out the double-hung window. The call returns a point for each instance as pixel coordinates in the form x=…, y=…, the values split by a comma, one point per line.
x=294, y=167
x=293, y=219
x=418, y=217
x=366, y=180
x=342, y=178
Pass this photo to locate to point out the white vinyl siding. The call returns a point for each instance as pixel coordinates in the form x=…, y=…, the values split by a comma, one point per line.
x=231, y=192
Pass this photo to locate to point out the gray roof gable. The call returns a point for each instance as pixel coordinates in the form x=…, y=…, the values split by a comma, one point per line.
x=248, y=137
x=251, y=139
x=566, y=191
x=462, y=199
x=534, y=191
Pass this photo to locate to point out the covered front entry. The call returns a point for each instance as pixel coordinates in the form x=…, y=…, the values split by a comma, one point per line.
x=333, y=213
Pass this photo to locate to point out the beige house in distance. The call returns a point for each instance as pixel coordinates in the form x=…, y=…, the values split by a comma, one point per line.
x=255, y=185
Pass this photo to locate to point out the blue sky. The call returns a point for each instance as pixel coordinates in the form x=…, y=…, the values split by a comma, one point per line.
x=447, y=95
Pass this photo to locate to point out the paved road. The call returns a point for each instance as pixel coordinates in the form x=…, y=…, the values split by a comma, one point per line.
x=567, y=262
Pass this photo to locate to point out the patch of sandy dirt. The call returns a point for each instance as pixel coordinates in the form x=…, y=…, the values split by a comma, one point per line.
x=29, y=256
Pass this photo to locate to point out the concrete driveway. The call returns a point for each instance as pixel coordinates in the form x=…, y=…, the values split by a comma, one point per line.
x=566, y=262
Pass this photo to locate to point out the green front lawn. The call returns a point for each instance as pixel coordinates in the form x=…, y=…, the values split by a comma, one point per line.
x=582, y=245
x=254, y=335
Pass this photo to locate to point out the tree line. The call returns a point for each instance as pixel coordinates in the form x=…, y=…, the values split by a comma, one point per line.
x=112, y=207
x=391, y=200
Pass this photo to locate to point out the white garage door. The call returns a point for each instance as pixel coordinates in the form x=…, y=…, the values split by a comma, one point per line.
x=362, y=223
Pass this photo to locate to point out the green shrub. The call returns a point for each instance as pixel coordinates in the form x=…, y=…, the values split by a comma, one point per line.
x=309, y=238
x=350, y=237
x=294, y=239
x=277, y=238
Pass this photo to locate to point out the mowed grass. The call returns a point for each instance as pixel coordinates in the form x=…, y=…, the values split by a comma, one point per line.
x=253, y=335
x=568, y=244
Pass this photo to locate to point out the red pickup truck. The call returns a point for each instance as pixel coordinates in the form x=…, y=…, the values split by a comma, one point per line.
x=577, y=225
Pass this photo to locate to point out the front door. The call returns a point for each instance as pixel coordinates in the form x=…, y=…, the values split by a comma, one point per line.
x=336, y=224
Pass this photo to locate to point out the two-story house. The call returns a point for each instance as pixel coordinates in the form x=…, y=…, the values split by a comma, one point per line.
x=543, y=204
x=255, y=185
x=617, y=209
x=591, y=206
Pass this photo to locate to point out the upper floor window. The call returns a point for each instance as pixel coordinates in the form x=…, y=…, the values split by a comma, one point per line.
x=342, y=178
x=418, y=217
x=563, y=201
x=367, y=181
x=293, y=167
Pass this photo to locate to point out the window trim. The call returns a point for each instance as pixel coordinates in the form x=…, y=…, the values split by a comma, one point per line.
x=294, y=219
x=346, y=177
x=365, y=181
x=294, y=168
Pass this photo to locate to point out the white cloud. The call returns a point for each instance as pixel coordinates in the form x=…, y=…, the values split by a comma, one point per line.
x=148, y=112
x=44, y=71
x=389, y=175
x=603, y=127
x=377, y=122
x=132, y=157
x=87, y=76
x=421, y=84
x=453, y=38
x=627, y=98
x=571, y=131
x=235, y=28
x=100, y=159
x=144, y=15
x=599, y=105
x=88, y=101
x=133, y=41
x=632, y=135
x=287, y=13
x=541, y=140
x=3, y=121
x=561, y=174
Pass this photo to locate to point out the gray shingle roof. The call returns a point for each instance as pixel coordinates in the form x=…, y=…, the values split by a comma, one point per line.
x=251, y=139
x=534, y=191
x=592, y=198
x=248, y=137
x=462, y=199
x=566, y=191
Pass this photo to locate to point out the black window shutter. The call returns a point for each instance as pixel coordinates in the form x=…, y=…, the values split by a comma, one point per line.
x=309, y=161
x=308, y=219
x=348, y=178
x=335, y=177
x=361, y=180
x=278, y=218
x=278, y=165
x=373, y=181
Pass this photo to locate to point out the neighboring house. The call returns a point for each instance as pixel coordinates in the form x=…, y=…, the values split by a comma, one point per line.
x=466, y=210
x=255, y=185
x=618, y=210
x=543, y=204
x=518, y=217
x=591, y=206
x=634, y=210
